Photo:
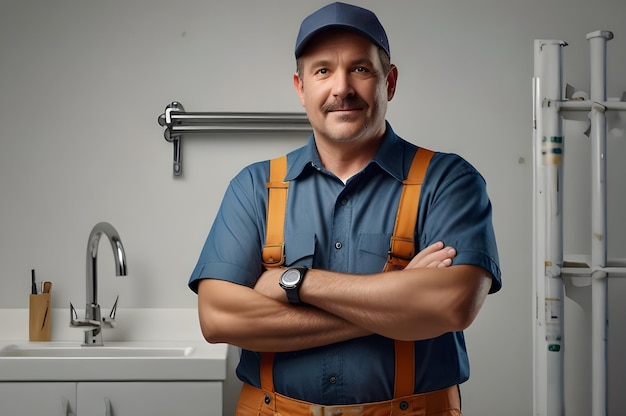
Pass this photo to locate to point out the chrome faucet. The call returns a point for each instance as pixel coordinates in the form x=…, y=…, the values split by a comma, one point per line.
x=93, y=321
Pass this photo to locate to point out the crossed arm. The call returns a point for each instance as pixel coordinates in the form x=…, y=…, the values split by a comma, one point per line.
x=426, y=299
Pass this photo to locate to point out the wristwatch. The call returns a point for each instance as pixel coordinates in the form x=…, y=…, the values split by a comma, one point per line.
x=291, y=280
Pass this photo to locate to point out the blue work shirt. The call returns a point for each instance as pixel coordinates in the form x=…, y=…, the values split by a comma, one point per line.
x=347, y=228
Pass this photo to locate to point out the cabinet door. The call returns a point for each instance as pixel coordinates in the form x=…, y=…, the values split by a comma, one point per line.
x=180, y=398
x=28, y=399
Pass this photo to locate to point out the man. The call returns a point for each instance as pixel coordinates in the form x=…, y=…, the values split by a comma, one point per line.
x=327, y=333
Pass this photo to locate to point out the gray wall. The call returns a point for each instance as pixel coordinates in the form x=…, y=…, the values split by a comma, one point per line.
x=82, y=84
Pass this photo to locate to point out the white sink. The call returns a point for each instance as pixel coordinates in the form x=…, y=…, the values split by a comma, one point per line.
x=77, y=351
x=64, y=361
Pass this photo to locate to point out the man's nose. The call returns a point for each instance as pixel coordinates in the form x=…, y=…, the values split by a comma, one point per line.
x=342, y=85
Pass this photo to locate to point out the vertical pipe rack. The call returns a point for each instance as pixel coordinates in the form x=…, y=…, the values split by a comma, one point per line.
x=550, y=266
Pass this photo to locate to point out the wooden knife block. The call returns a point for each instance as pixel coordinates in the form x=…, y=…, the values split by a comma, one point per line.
x=39, y=317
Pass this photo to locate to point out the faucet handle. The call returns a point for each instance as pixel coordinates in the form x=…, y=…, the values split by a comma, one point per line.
x=86, y=323
x=110, y=320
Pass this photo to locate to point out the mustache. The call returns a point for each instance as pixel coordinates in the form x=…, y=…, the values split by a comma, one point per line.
x=350, y=103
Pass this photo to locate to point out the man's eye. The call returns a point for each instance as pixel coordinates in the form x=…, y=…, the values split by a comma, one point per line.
x=360, y=69
x=323, y=71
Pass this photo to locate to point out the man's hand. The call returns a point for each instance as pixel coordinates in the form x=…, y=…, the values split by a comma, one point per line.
x=435, y=255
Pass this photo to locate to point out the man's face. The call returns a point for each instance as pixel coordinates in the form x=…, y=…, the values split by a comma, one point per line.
x=343, y=87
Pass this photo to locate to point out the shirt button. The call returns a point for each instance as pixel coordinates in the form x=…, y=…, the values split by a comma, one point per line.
x=338, y=245
x=332, y=379
x=344, y=201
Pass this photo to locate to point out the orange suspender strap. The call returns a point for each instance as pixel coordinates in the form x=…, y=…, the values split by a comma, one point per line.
x=402, y=248
x=401, y=252
x=267, y=372
x=274, y=248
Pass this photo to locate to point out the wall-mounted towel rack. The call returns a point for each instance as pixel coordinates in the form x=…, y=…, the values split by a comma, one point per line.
x=178, y=122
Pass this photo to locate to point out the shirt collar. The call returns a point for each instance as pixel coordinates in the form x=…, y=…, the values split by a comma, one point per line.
x=390, y=154
x=386, y=156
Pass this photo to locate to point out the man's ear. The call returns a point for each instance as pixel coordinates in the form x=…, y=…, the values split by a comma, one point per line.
x=299, y=86
x=392, y=81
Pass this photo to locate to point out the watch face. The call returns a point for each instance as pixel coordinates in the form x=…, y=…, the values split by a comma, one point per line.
x=291, y=278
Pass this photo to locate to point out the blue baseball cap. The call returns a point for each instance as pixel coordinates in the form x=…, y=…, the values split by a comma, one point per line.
x=344, y=16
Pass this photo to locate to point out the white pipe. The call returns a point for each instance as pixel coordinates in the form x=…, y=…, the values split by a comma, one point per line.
x=598, y=136
x=539, y=353
x=599, y=284
x=552, y=155
x=597, y=48
x=547, y=233
x=599, y=315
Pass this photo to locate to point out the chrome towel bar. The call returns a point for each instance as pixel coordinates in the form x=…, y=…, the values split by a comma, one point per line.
x=178, y=122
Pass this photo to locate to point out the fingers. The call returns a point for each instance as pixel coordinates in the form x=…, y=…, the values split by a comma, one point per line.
x=444, y=263
x=435, y=255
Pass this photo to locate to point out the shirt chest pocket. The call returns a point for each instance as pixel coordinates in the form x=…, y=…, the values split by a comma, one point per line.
x=299, y=249
x=372, y=253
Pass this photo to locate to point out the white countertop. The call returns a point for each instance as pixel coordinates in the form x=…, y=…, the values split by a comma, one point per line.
x=201, y=361
x=160, y=333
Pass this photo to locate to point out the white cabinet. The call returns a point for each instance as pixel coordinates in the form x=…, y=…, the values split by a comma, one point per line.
x=180, y=398
x=184, y=398
x=28, y=399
